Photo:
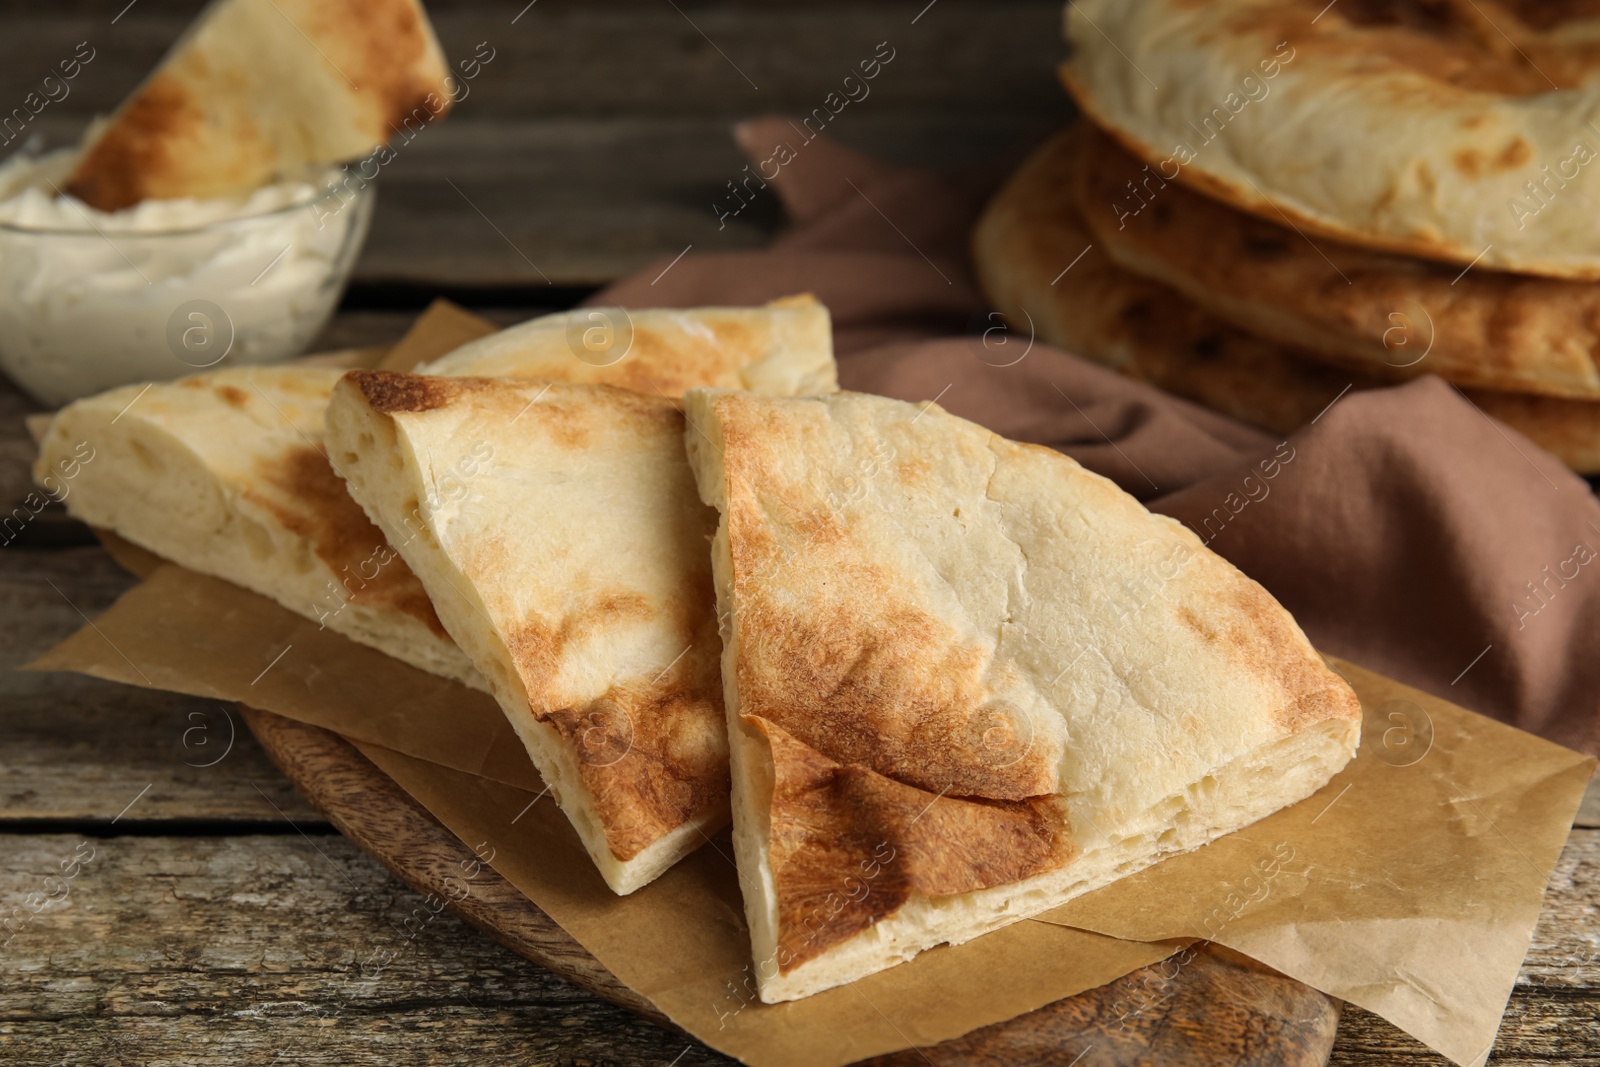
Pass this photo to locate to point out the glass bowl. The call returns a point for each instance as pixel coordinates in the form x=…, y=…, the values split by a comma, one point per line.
x=87, y=308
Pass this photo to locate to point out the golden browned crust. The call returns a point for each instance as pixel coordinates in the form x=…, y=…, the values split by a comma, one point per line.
x=864, y=675
x=1486, y=329
x=784, y=347
x=647, y=759
x=655, y=364
x=116, y=172
x=849, y=846
x=1425, y=96
x=208, y=123
x=233, y=396
x=391, y=392
x=340, y=533
x=1032, y=229
x=1256, y=634
x=1416, y=243
x=566, y=619
x=924, y=619
x=387, y=47
x=1506, y=47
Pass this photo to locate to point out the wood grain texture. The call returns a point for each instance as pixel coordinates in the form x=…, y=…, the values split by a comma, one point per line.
x=370, y=809
x=287, y=949
x=596, y=139
x=79, y=749
x=231, y=950
x=600, y=59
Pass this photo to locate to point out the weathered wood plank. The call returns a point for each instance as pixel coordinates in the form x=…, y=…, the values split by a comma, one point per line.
x=79, y=749
x=596, y=139
x=234, y=950
x=604, y=59
x=239, y=950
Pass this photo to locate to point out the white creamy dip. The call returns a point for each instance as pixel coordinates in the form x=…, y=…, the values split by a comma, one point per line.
x=90, y=299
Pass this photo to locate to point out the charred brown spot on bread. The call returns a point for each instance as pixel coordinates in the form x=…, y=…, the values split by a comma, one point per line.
x=233, y=395
x=1472, y=163
x=116, y=170
x=653, y=758
x=1468, y=161
x=865, y=677
x=575, y=415
x=382, y=51
x=858, y=671
x=1515, y=154
x=392, y=393
x=538, y=644
x=652, y=752
x=667, y=364
x=848, y=846
x=1510, y=47
x=913, y=472
x=312, y=502
x=1258, y=634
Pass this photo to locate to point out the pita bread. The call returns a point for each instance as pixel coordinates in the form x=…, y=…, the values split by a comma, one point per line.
x=784, y=348
x=948, y=660
x=1032, y=229
x=225, y=472
x=558, y=530
x=1349, y=305
x=259, y=89
x=1460, y=132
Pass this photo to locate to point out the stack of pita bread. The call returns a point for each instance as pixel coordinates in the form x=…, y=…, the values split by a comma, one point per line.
x=1277, y=202
x=938, y=680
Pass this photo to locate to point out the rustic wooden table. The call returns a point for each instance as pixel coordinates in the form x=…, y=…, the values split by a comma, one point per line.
x=216, y=918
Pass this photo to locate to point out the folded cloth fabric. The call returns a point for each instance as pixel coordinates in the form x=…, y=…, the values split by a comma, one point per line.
x=1405, y=530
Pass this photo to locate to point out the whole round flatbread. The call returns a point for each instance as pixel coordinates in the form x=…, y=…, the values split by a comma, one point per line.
x=1032, y=230
x=1466, y=131
x=1362, y=309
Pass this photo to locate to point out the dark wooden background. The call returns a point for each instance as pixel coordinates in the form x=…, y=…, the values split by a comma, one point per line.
x=221, y=920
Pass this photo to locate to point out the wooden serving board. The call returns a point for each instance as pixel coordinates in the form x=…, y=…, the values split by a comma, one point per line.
x=1219, y=1009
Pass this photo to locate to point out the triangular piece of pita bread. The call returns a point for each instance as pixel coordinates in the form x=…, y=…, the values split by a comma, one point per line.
x=967, y=680
x=259, y=89
x=225, y=472
x=558, y=530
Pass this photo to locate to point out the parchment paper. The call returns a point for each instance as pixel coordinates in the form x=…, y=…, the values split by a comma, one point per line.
x=1409, y=885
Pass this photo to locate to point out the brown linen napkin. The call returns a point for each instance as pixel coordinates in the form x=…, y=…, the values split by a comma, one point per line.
x=1404, y=529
